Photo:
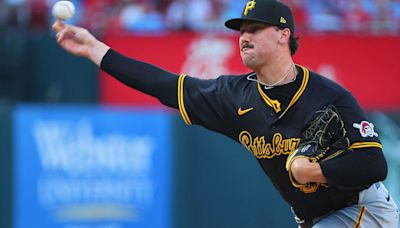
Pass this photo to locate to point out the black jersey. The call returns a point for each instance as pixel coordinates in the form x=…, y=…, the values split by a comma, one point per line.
x=269, y=122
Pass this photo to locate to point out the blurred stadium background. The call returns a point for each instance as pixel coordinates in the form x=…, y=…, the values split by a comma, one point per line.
x=79, y=150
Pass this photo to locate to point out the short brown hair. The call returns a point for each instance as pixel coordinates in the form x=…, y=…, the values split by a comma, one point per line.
x=293, y=44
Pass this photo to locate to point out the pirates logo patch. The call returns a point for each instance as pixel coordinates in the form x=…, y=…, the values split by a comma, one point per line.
x=366, y=129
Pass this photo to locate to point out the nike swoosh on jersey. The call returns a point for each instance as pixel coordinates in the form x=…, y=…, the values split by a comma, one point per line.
x=242, y=112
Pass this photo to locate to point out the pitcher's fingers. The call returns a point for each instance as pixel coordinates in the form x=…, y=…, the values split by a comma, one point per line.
x=58, y=26
x=69, y=31
x=60, y=35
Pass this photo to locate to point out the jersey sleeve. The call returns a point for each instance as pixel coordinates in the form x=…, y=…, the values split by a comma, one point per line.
x=142, y=76
x=204, y=102
x=366, y=163
x=360, y=131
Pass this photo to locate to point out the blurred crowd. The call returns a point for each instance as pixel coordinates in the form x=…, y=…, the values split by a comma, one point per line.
x=148, y=16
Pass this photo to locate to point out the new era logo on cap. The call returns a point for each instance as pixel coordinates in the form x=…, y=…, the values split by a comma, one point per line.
x=283, y=20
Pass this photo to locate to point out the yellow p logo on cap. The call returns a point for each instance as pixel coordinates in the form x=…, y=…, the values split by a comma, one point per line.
x=249, y=6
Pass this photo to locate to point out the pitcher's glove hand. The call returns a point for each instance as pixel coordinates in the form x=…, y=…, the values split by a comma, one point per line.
x=323, y=139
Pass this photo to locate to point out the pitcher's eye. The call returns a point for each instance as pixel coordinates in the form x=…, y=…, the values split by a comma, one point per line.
x=250, y=29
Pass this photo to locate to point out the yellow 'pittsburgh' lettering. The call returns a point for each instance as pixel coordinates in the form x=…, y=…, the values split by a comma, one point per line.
x=249, y=6
x=264, y=150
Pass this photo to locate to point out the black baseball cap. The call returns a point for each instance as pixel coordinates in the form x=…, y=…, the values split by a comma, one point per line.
x=267, y=11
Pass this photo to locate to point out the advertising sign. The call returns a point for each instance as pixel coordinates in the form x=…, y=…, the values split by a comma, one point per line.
x=366, y=66
x=91, y=167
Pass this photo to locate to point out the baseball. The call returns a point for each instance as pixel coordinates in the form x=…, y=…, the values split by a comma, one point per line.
x=63, y=10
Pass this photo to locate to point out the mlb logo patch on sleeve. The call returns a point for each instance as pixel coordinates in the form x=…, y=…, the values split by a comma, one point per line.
x=366, y=129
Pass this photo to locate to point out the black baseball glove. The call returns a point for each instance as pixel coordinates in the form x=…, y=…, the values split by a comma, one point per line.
x=323, y=139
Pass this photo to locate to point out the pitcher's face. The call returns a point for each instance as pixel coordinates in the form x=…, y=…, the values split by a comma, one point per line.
x=258, y=43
